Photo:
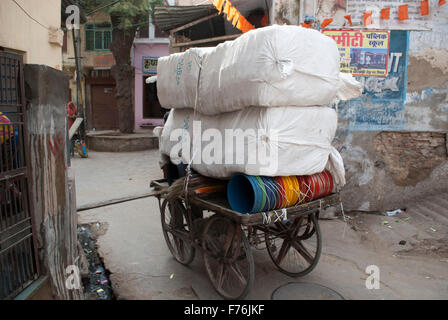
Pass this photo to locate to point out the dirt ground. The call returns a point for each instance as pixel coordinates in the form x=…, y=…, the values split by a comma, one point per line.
x=410, y=249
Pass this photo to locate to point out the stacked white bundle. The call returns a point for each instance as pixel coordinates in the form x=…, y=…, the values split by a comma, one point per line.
x=177, y=78
x=280, y=141
x=274, y=79
x=267, y=67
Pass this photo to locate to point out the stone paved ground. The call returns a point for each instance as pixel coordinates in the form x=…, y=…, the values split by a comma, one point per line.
x=104, y=176
x=134, y=250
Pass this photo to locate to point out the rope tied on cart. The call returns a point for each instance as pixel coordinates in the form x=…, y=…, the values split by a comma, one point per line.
x=188, y=169
x=292, y=191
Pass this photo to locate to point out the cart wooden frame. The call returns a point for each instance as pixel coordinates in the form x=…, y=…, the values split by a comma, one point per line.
x=292, y=236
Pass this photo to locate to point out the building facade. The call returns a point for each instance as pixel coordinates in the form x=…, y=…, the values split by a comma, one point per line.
x=149, y=45
x=32, y=29
x=97, y=83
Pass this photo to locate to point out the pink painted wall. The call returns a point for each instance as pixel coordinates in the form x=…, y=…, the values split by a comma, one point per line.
x=144, y=50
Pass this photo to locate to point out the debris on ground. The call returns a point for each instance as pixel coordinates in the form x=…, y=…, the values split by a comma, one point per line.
x=429, y=248
x=96, y=283
x=395, y=212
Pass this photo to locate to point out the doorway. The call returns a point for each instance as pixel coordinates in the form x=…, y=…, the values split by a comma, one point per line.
x=104, y=107
x=151, y=105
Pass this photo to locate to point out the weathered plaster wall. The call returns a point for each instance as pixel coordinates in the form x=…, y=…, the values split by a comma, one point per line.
x=403, y=156
x=386, y=169
x=394, y=138
x=285, y=12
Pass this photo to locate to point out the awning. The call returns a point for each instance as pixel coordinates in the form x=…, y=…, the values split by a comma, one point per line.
x=170, y=17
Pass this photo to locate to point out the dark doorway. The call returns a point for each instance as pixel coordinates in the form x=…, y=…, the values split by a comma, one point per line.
x=151, y=105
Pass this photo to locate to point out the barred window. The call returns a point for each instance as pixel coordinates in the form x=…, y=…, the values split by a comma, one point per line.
x=98, y=37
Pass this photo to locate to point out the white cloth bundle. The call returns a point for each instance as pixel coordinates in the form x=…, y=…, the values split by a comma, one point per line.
x=295, y=140
x=177, y=78
x=267, y=67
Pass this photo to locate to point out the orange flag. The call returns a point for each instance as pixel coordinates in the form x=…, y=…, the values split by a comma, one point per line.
x=218, y=4
x=441, y=2
x=326, y=22
x=385, y=13
x=424, y=7
x=227, y=7
x=306, y=25
x=349, y=19
x=238, y=24
x=242, y=24
x=245, y=25
x=236, y=18
x=368, y=18
x=265, y=20
x=403, y=12
x=231, y=14
x=249, y=26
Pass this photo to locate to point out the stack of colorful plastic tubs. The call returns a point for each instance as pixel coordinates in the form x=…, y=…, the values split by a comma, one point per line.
x=252, y=194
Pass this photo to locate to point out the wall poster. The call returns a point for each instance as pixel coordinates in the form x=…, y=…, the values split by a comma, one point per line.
x=381, y=107
x=150, y=65
x=363, y=52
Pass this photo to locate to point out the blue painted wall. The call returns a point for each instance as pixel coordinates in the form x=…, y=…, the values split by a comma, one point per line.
x=381, y=107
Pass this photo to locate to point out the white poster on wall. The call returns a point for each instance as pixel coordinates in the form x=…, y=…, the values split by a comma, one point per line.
x=415, y=21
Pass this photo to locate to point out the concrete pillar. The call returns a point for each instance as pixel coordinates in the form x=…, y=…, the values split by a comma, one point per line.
x=55, y=218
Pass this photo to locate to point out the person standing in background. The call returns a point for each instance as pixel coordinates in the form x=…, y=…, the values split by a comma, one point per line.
x=72, y=114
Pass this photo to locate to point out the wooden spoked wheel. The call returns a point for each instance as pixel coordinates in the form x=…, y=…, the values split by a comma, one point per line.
x=176, y=231
x=295, y=246
x=228, y=258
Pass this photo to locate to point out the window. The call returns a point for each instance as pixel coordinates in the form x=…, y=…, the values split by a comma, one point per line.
x=98, y=36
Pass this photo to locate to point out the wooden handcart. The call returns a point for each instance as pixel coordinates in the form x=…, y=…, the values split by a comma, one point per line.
x=292, y=237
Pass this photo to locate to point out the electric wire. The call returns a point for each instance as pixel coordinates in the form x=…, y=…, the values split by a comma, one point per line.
x=31, y=17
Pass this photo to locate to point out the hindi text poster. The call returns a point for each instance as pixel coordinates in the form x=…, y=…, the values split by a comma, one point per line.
x=363, y=52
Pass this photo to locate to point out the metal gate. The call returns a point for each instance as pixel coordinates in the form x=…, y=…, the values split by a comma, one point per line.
x=18, y=264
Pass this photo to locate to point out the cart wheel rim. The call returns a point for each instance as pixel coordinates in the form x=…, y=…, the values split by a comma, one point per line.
x=228, y=258
x=295, y=249
x=180, y=247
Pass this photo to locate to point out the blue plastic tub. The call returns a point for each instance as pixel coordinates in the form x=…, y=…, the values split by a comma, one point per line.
x=243, y=194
